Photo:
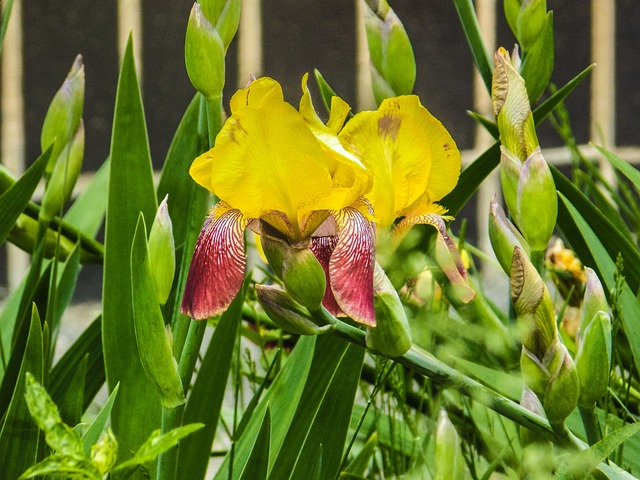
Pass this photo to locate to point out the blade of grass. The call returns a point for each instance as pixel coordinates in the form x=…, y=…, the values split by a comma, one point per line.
x=471, y=29
x=136, y=412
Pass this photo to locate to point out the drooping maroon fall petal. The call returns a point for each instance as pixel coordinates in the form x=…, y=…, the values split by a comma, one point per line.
x=352, y=264
x=322, y=248
x=217, y=267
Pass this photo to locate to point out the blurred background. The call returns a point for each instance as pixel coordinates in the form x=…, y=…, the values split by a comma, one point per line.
x=286, y=38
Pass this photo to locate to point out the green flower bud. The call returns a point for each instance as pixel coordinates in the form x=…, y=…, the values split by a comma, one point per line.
x=64, y=176
x=225, y=15
x=65, y=111
x=152, y=337
x=594, y=298
x=561, y=395
x=449, y=461
x=511, y=107
x=504, y=236
x=273, y=247
x=593, y=360
x=105, y=453
x=303, y=276
x=24, y=232
x=393, y=67
x=533, y=305
x=287, y=313
x=531, y=402
x=392, y=335
x=510, y=166
x=204, y=53
x=537, y=202
x=162, y=260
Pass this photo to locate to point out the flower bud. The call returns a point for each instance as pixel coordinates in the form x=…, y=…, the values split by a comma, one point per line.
x=449, y=461
x=64, y=176
x=24, y=233
x=105, y=453
x=303, y=276
x=533, y=305
x=204, y=53
x=531, y=402
x=162, y=260
x=393, y=68
x=510, y=166
x=225, y=15
x=392, y=335
x=273, y=249
x=537, y=202
x=65, y=111
x=561, y=395
x=593, y=360
x=511, y=107
x=504, y=236
x=594, y=298
x=287, y=313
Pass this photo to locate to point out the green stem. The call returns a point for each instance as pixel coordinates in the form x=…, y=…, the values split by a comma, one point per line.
x=168, y=460
x=591, y=424
x=214, y=118
x=537, y=259
x=426, y=364
x=190, y=352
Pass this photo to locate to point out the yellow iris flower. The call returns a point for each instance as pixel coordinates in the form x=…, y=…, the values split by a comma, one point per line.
x=414, y=162
x=279, y=169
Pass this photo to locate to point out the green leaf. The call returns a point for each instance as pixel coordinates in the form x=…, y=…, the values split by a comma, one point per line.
x=64, y=466
x=72, y=403
x=151, y=335
x=324, y=411
x=585, y=461
x=282, y=400
x=58, y=435
x=205, y=399
x=86, y=214
x=136, y=412
x=6, y=14
x=15, y=199
x=587, y=244
x=156, y=444
x=19, y=434
x=326, y=92
x=628, y=170
x=258, y=462
x=89, y=345
x=92, y=435
x=471, y=28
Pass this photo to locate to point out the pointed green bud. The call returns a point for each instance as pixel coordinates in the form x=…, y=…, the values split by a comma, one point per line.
x=225, y=15
x=537, y=202
x=510, y=166
x=64, y=176
x=593, y=360
x=273, y=247
x=393, y=67
x=65, y=111
x=287, y=313
x=204, y=53
x=162, y=258
x=303, y=276
x=534, y=373
x=594, y=298
x=24, y=233
x=533, y=305
x=561, y=395
x=504, y=236
x=153, y=341
x=392, y=335
x=511, y=107
x=105, y=453
x=449, y=461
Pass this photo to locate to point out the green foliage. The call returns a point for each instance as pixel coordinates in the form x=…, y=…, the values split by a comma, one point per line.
x=279, y=388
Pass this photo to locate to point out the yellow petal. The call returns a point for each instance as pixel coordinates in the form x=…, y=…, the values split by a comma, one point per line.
x=409, y=152
x=257, y=94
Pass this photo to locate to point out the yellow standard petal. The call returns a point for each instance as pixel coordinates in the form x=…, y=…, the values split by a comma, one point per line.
x=411, y=155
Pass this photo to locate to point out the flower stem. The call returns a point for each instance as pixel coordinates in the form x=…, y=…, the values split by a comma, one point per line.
x=214, y=118
x=591, y=424
x=426, y=364
x=168, y=460
x=190, y=351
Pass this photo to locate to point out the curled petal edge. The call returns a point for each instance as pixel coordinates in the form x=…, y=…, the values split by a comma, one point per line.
x=217, y=267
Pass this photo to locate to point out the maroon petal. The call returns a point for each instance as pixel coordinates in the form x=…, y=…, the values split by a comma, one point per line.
x=352, y=264
x=322, y=248
x=217, y=266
